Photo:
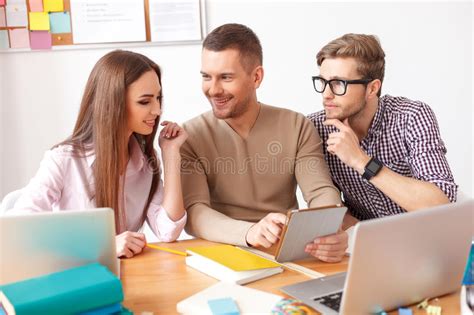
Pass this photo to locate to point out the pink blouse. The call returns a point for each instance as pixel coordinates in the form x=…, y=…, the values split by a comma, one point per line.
x=64, y=179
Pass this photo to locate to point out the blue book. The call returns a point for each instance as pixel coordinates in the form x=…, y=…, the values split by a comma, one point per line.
x=105, y=310
x=70, y=291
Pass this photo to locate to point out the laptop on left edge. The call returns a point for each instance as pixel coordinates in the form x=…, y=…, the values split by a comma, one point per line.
x=40, y=243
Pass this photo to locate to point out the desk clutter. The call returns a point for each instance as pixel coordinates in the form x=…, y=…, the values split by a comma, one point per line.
x=87, y=290
x=232, y=299
x=247, y=300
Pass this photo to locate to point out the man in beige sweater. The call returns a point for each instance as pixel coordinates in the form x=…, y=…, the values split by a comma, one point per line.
x=243, y=160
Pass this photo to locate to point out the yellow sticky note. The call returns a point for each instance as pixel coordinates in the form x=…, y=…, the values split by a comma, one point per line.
x=39, y=21
x=53, y=5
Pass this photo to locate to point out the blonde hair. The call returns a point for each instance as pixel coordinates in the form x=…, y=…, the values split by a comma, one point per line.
x=364, y=48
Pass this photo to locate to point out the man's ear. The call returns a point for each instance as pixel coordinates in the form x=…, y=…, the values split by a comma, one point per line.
x=258, y=76
x=373, y=88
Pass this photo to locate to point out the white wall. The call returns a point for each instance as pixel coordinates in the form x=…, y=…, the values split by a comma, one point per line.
x=429, y=57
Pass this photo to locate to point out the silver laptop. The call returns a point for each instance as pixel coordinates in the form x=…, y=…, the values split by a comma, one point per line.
x=36, y=244
x=396, y=261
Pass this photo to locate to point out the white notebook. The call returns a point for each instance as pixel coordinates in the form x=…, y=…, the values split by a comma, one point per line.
x=248, y=300
x=223, y=273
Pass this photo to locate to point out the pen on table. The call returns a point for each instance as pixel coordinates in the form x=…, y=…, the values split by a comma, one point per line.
x=177, y=252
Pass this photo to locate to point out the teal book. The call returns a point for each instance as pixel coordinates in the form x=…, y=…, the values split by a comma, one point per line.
x=468, y=278
x=70, y=291
x=104, y=310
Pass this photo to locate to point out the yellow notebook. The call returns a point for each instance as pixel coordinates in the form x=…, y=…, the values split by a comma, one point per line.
x=233, y=257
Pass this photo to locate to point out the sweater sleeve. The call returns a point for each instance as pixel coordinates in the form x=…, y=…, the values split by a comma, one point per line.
x=311, y=170
x=204, y=221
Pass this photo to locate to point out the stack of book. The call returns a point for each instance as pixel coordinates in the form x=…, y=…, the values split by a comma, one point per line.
x=467, y=289
x=90, y=289
x=230, y=264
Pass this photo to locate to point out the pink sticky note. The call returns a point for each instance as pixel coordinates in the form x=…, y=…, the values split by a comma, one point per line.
x=36, y=5
x=3, y=21
x=40, y=40
x=2, y=2
x=19, y=38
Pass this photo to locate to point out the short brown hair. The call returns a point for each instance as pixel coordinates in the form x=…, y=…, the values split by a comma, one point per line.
x=364, y=48
x=239, y=37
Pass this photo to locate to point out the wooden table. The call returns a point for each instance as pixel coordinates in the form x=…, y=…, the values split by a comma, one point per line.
x=155, y=281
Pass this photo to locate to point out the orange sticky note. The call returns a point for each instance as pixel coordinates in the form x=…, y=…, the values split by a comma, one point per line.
x=19, y=38
x=36, y=5
x=39, y=21
x=53, y=5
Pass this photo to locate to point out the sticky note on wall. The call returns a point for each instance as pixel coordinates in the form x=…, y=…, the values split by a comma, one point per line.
x=4, y=44
x=60, y=22
x=53, y=5
x=40, y=40
x=3, y=20
x=19, y=38
x=16, y=15
x=36, y=5
x=39, y=21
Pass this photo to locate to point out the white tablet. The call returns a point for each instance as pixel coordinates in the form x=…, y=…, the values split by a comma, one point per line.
x=303, y=226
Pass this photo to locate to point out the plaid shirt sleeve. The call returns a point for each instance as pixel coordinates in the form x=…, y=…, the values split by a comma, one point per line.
x=427, y=152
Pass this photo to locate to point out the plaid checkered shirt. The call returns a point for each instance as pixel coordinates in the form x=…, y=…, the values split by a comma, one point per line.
x=404, y=136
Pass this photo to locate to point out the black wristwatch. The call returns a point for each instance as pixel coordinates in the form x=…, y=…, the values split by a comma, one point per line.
x=372, y=168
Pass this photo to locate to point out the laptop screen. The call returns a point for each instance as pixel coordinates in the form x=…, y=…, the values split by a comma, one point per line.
x=35, y=244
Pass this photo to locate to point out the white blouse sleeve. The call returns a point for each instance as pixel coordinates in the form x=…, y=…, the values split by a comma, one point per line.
x=164, y=228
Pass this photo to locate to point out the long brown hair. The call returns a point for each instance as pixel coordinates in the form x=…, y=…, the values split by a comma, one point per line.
x=101, y=126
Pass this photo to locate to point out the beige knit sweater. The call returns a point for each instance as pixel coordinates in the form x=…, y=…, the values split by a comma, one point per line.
x=229, y=183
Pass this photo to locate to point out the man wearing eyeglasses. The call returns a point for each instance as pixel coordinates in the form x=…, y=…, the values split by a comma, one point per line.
x=385, y=153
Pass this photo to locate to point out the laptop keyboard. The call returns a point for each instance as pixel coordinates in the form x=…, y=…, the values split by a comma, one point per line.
x=333, y=301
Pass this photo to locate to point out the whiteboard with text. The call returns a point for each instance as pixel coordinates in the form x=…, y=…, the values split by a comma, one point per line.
x=52, y=24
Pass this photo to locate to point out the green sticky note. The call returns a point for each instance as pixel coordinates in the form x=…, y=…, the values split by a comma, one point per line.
x=60, y=22
x=4, y=44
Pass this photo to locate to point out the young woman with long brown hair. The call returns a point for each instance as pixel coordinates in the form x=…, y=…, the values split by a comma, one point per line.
x=109, y=160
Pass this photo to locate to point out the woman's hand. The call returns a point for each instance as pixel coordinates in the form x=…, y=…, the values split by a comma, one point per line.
x=129, y=244
x=171, y=136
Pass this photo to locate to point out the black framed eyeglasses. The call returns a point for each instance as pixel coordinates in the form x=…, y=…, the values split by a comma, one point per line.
x=338, y=86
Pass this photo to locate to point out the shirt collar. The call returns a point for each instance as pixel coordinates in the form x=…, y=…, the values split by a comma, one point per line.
x=378, y=117
x=137, y=157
